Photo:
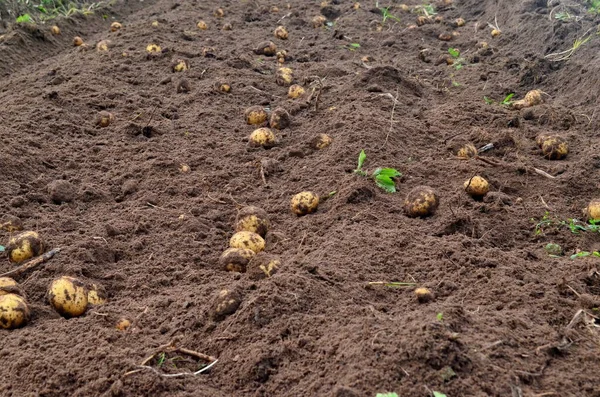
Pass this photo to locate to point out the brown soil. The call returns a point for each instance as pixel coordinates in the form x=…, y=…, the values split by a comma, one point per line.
x=152, y=235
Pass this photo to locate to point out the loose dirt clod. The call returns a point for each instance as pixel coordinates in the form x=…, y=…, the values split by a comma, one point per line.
x=279, y=119
x=267, y=48
x=225, y=303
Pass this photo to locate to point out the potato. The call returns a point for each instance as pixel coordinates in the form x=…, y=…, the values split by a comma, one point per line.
x=318, y=21
x=420, y=202
x=55, y=30
x=184, y=168
x=296, y=91
x=123, y=324
x=267, y=48
x=252, y=219
x=593, y=210
x=77, y=41
x=14, y=312
x=24, y=246
x=209, y=52
x=466, y=152
x=225, y=303
x=115, y=26
x=459, y=22
x=423, y=20
x=219, y=13
x=154, y=24
x=104, y=119
x=554, y=147
x=263, y=265
x=438, y=19
x=236, y=259
x=13, y=224
x=282, y=56
x=477, y=186
x=304, y=203
x=227, y=26
x=9, y=286
x=96, y=295
x=284, y=76
x=321, y=141
x=423, y=294
x=247, y=240
x=223, y=87
x=356, y=6
x=256, y=115
x=279, y=119
x=180, y=65
x=495, y=32
x=262, y=137
x=532, y=98
x=281, y=33
x=445, y=36
x=68, y=296
x=102, y=45
x=202, y=25
x=153, y=49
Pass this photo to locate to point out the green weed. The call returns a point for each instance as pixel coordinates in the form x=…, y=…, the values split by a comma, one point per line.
x=381, y=176
x=458, y=60
x=386, y=395
x=352, y=46
x=386, y=14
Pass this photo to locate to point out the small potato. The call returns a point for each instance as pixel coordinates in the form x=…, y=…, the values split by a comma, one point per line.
x=445, y=36
x=423, y=295
x=68, y=296
x=267, y=48
x=104, y=119
x=477, y=186
x=420, y=202
x=223, y=87
x=459, y=22
x=423, y=20
x=115, y=26
x=209, y=52
x=532, y=98
x=281, y=33
x=96, y=295
x=296, y=91
x=180, y=65
x=247, y=240
x=304, y=203
x=13, y=224
x=24, y=246
x=202, y=25
x=495, y=32
x=356, y=6
x=219, y=13
x=123, y=324
x=252, y=219
x=153, y=49
x=263, y=265
x=438, y=19
x=77, y=41
x=318, y=21
x=321, y=141
x=256, y=115
x=466, y=152
x=282, y=56
x=155, y=24
x=279, y=119
x=14, y=312
x=225, y=303
x=9, y=286
x=236, y=259
x=284, y=76
x=102, y=45
x=55, y=30
x=227, y=26
x=262, y=137
x=593, y=210
x=554, y=147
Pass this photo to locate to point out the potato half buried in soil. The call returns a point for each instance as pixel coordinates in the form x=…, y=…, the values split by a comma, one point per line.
x=477, y=187
x=247, y=240
x=180, y=65
x=321, y=141
x=296, y=91
x=420, y=202
x=55, y=30
x=202, y=25
x=262, y=137
x=153, y=49
x=96, y=295
x=263, y=265
x=553, y=147
x=123, y=324
x=68, y=296
x=236, y=259
x=223, y=88
x=104, y=119
x=24, y=246
x=532, y=98
x=593, y=210
x=252, y=219
x=466, y=152
x=284, y=76
x=423, y=294
x=267, y=48
x=318, y=21
x=9, y=286
x=77, y=41
x=304, y=203
x=279, y=119
x=14, y=312
x=115, y=26
x=225, y=303
x=256, y=115
x=281, y=33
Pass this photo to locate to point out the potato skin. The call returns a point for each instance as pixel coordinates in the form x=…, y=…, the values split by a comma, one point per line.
x=422, y=201
x=236, y=259
x=252, y=219
x=68, y=296
x=284, y=76
x=225, y=303
x=115, y=26
x=24, y=246
x=9, y=286
x=180, y=65
x=14, y=312
x=96, y=295
x=304, y=203
x=104, y=119
x=256, y=115
x=267, y=48
x=247, y=240
x=281, y=33
x=593, y=210
x=296, y=91
x=262, y=137
x=477, y=186
x=202, y=25
x=554, y=147
x=466, y=152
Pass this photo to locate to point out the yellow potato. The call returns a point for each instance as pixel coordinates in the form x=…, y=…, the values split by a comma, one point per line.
x=256, y=115
x=423, y=20
x=219, y=13
x=423, y=294
x=247, y=240
x=102, y=45
x=284, y=76
x=296, y=91
x=115, y=26
x=356, y=6
x=466, y=152
x=153, y=49
x=532, y=98
x=477, y=186
x=155, y=24
x=225, y=303
x=55, y=30
x=420, y=202
x=321, y=141
x=318, y=21
x=68, y=296
x=267, y=48
x=304, y=203
x=9, y=286
x=96, y=295
x=555, y=147
x=202, y=25
x=593, y=210
x=14, y=312
x=77, y=41
x=236, y=259
x=460, y=22
x=123, y=324
x=263, y=137
x=180, y=65
x=223, y=87
x=24, y=246
x=227, y=26
x=279, y=119
x=263, y=265
x=281, y=33
x=496, y=32
x=104, y=119
x=252, y=219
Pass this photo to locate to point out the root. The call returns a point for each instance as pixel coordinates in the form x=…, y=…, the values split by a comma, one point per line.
x=31, y=264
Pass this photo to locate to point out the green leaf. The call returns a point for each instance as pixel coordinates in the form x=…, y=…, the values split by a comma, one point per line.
x=2, y=249
x=386, y=395
x=387, y=172
x=42, y=9
x=24, y=18
x=454, y=52
x=438, y=394
x=507, y=99
x=488, y=100
x=581, y=254
x=361, y=160
x=386, y=183
x=354, y=45
x=440, y=316
x=458, y=66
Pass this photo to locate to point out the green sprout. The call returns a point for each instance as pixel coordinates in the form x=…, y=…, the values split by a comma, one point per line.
x=385, y=11
x=352, y=46
x=583, y=254
x=381, y=176
x=440, y=317
x=25, y=18
x=458, y=60
x=438, y=394
x=507, y=101
x=161, y=359
x=488, y=100
x=386, y=395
